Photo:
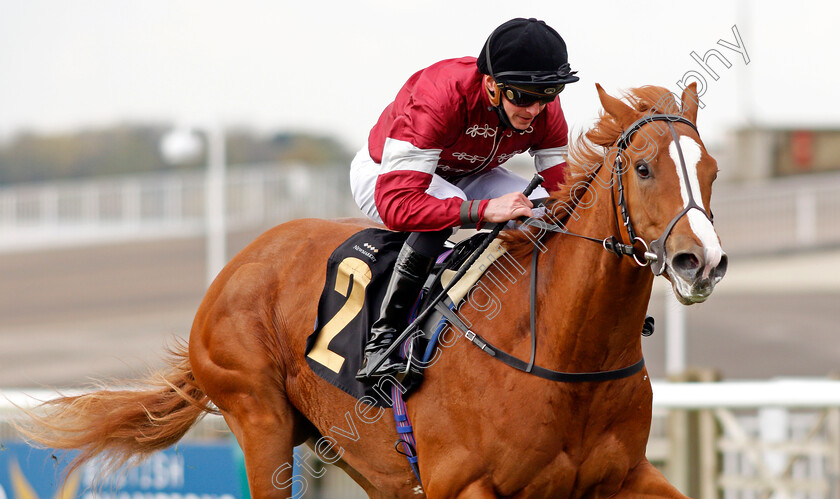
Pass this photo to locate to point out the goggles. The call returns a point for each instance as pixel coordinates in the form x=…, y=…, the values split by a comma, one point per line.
x=523, y=98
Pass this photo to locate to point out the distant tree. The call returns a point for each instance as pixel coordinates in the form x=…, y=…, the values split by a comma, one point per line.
x=247, y=147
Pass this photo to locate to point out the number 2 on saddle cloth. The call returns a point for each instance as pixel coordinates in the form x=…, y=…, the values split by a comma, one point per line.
x=357, y=275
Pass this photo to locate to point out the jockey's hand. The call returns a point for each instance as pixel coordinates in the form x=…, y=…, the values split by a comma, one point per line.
x=508, y=207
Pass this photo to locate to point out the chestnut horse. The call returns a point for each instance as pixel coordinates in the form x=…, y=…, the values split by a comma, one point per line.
x=482, y=428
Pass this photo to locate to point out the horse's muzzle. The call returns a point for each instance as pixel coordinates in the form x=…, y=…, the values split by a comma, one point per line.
x=694, y=274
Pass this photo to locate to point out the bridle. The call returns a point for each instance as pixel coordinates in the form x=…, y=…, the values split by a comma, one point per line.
x=654, y=254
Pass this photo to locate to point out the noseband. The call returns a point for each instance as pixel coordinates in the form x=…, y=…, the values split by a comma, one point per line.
x=654, y=254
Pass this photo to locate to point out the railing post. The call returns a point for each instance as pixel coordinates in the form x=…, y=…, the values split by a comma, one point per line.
x=173, y=191
x=254, y=191
x=9, y=208
x=693, y=459
x=774, y=425
x=675, y=333
x=833, y=435
x=91, y=211
x=678, y=467
x=806, y=218
x=49, y=207
x=707, y=438
x=132, y=212
x=834, y=442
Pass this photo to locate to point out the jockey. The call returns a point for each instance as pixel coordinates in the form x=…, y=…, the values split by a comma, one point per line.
x=432, y=161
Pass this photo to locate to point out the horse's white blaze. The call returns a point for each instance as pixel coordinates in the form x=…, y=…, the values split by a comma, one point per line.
x=702, y=227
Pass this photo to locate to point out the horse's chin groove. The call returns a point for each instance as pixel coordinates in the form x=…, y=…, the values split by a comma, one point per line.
x=691, y=299
x=689, y=293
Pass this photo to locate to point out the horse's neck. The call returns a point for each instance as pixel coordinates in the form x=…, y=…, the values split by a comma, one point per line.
x=599, y=299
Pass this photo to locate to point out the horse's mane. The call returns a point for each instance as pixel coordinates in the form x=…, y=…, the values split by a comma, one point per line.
x=586, y=153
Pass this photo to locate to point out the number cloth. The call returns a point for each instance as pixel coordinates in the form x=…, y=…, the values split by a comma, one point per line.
x=357, y=276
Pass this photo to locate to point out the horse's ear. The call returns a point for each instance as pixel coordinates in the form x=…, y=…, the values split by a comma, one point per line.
x=689, y=102
x=621, y=112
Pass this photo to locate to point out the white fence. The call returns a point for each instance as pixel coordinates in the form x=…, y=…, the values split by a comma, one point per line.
x=733, y=440
x=747, y=440
x=164, y=205
x=778, y=215
x=769, y=216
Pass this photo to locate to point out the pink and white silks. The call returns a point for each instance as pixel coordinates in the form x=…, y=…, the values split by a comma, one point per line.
x=437, y=150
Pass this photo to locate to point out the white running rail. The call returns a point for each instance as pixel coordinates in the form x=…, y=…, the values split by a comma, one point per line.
x=761, y=217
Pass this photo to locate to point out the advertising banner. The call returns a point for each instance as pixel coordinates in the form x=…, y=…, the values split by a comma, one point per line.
x=185, y=471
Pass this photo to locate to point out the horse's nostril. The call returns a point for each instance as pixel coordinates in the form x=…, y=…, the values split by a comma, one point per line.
x=686, y=263
x=720, y=270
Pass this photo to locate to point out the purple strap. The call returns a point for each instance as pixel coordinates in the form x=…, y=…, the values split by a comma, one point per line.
x=405, y=430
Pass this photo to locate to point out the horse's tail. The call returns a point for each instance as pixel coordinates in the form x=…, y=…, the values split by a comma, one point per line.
x=126, y=425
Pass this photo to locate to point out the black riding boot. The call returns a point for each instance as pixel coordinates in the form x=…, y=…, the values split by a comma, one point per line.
x=410, y=273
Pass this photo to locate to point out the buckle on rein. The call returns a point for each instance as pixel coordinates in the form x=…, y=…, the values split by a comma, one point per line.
x=612, y=245
x=471, y=336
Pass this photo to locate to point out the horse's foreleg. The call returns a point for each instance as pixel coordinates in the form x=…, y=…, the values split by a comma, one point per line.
x=645, y=481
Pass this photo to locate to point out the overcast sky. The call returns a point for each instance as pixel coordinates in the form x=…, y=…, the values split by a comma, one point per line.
x=332, y=66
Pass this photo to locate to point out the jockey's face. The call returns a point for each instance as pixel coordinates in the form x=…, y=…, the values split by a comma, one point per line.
x=520, y=117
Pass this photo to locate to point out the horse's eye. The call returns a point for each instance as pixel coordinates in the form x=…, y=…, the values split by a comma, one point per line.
x=643, y=170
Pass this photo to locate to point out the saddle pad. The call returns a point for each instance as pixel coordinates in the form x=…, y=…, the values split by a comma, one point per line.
x=357, y=276
x=358, y=272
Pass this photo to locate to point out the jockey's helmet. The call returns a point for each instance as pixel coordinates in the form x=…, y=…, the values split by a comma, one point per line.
x=526, y=55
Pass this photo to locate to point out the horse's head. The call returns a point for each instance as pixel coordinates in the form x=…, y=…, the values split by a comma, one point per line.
x=666, y=175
